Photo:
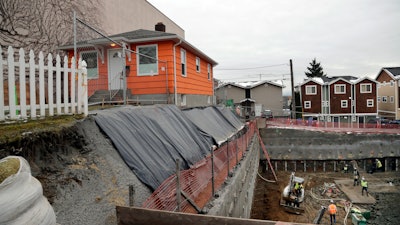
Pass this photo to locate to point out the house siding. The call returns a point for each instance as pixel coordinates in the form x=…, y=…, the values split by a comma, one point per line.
x=387, y=109
x=315, y=99
x=336, y=99
x=270, y=96
x=361, y=98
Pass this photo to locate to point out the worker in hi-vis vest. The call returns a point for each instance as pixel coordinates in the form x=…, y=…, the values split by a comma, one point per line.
x=332, y=212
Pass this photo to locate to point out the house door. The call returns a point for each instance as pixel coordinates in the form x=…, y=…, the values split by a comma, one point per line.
x=115, y=79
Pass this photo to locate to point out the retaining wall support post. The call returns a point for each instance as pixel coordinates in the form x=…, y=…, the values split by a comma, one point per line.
x=315, y=166
x=305, y=166
x=323, y=164
x=285, y=165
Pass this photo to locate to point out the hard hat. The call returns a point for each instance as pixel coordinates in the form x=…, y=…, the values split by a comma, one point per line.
x=331, y=201
x=362, y=178
x=355, y=168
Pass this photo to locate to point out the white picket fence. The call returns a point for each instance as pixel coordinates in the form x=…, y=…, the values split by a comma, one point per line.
x=71, y=81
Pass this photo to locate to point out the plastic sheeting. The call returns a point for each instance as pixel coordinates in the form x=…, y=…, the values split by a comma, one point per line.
x=219, y=122
x=22, y=200
x=151, y=138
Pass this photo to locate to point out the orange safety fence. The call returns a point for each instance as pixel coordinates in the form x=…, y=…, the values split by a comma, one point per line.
x=196, y=183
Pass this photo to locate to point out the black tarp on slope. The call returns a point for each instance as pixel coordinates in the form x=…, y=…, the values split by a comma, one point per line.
x=220, y=123
x=151, y=138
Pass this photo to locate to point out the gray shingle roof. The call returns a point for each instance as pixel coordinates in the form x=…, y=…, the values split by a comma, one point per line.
x=395, y=71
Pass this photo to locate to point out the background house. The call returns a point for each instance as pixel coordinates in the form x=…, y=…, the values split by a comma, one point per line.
x=160, y=67
x=252, y=97
x=343, y=99
x=388, y=93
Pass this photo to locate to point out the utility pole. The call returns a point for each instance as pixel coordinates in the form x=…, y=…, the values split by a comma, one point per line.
x=293, y=96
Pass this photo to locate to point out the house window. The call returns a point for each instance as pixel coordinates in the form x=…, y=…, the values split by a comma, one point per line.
x=311, y=89
x=384, y=83
x=325, y=103
x=147, y=60
x=340, y=89
x=197, y=64
x=378, y=99
x=391, y=83
x=307, y=104
x=90, y=58
x=208, y=71
x=343, y=103
x=370, y=103
x=384, y=99
x=183, y=62
x=366, y=88
x=391, y=99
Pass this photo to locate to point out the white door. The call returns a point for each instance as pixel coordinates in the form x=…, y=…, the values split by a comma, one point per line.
x=115, y=69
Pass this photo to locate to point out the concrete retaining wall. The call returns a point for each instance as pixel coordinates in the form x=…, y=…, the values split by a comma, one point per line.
x=236, y=197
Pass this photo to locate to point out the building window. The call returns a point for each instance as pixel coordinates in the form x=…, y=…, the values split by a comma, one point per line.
x=343, y=103
x=384, y=99
x=307, y=104
x=391, y=83
x=384, y=83
x=370, y=103
x=340, y=89
x=197, y=64
x=311, y=89
x=90, y=58
x=325, y=103
x=366, y=88
x=391, y=99
x=147, y=60
x=209, y=71
x=378, y=99
x=183, y=62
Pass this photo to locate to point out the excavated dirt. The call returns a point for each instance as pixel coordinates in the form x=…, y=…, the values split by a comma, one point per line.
x=267, y=197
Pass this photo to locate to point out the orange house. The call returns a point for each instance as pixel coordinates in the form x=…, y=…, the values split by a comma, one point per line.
x=159, y=67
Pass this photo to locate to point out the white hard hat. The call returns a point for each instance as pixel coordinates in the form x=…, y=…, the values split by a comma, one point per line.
x=355, y=168
x=331, y=201
x=362, y=178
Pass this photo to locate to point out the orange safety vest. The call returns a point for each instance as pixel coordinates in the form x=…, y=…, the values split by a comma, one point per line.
x=332, y=209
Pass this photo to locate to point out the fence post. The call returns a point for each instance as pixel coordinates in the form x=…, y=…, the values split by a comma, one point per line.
x=58, y=84
x=32, y=84
x=22, y=83
x=2, y=116
x=84, y=87
x=50, y=101
x=227, y=156
x=11, y=83
x=212, y=170
x=65, y=66
x=131, y=194
x=178, y=186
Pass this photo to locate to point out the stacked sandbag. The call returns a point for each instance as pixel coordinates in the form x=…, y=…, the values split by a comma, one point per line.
x=21, y=195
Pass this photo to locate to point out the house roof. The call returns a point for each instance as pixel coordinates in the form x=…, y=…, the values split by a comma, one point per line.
x=252, y=84
x=333, y=79
x=394, y=71
x=141, y=36
x=365, y=78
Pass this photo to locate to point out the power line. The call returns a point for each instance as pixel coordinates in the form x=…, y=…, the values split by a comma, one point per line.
x=252, y=68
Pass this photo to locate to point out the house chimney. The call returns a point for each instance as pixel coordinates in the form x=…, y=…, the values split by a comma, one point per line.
x=160, y=27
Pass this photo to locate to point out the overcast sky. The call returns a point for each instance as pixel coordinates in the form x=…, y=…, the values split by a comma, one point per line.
x=255, y=39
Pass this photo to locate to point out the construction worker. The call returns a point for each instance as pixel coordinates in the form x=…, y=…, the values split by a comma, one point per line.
x=356, y=176
x=378, y=165
x=332, y=212
x=297, y=189
x=364, y=185
x=346, y=168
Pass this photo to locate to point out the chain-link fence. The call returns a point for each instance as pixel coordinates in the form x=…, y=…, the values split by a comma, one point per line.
x=198, y=184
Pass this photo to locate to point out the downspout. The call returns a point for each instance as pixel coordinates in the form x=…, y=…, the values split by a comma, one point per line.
x=175, y=88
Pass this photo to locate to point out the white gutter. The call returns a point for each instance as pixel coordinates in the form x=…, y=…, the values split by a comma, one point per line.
x=175, y=88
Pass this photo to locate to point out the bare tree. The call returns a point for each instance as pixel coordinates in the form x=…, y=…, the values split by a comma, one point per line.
x=43, y=25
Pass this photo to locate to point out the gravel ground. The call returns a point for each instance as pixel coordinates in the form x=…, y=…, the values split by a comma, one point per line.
x=92, y=182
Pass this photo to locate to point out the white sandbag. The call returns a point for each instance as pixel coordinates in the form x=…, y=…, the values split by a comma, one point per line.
x=22, y=200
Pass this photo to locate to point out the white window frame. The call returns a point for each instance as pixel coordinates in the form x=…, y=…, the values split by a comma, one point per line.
x=208, y=71
x=307, y=104
x=310, y=91
x=139, y=68
x=183, y=100
x=370, y=103
x=183, y=63
x=344, y=104
x=92, y=73
x=391, y=83
x=339, y=86
x=198, y=63
x=384, y=99
x=391, y=99
x=366, y=88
